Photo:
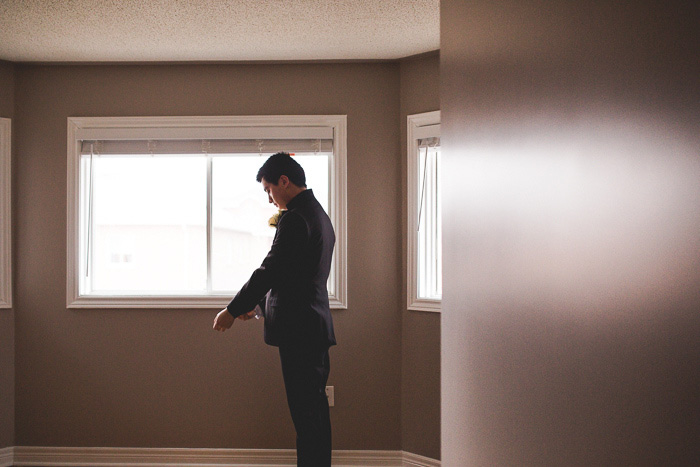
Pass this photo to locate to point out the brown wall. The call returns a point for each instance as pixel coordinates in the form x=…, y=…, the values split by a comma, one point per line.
x=7, y=326
x=571, y=250
x=420, y=336
x=7, y=89
x=163, y=378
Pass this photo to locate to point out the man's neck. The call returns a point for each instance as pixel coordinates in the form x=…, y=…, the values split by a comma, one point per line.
x=294, y=191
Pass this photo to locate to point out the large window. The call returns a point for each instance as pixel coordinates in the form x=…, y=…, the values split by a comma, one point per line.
x=5, y=215
x=424, y=213
x=166, y=212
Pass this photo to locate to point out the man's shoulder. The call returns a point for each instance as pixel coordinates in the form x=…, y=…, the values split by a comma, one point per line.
x=308, y=209
x=291, y=218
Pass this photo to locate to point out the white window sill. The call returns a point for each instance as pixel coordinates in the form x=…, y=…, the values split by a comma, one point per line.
x=174, y=301
x=431, y=306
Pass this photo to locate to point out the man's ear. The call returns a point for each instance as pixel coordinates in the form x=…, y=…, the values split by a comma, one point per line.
x=284, y=181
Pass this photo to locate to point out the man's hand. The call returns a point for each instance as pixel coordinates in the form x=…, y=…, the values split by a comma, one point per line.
x=247, y=316
x=223, y=320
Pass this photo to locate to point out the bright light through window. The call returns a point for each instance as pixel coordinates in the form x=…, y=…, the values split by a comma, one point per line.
x=166, y=212
x=424, y=268
x=146, y=224
x=241, y=236
x=145, y=228
x=429, y=225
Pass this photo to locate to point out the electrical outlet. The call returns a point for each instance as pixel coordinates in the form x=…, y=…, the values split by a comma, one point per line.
x=330, y=394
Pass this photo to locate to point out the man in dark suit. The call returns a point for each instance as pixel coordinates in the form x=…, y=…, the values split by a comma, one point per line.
x=290, y=288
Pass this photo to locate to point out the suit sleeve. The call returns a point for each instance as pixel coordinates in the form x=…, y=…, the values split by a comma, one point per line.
x=263, y=303
x=279, y=263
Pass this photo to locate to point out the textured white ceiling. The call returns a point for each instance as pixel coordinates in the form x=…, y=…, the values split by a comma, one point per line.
x=216, y=30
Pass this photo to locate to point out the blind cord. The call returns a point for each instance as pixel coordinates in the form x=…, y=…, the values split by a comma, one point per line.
x=422, y=192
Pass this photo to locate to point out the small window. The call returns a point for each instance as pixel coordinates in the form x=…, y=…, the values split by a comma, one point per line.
x=5, y=215
x=167, y=212
x=424, y=213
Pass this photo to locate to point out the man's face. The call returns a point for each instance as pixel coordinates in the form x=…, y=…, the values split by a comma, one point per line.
x=276, y=194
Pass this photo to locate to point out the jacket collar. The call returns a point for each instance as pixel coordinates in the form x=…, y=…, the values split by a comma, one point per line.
x=300, y=198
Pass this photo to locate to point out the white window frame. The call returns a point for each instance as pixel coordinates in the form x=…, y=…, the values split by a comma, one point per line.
x=130, y=127
x=419, y=126
x=5, y=213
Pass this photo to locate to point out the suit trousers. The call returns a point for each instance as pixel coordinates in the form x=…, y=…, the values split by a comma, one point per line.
x=305, y=373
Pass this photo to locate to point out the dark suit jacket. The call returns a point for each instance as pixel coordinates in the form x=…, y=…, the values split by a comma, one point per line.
x=291, y=282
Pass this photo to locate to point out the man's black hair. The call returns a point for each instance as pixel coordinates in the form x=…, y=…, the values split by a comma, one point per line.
x=280, y=164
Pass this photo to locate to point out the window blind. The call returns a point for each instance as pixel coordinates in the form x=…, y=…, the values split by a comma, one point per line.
x=429, y=142
x=211, y=140
x=193, y=146
x=427, y=132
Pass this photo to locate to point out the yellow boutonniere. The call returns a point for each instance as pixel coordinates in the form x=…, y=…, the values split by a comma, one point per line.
x=272, y=222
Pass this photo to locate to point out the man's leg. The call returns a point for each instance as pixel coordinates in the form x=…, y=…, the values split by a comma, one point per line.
x=305, y=375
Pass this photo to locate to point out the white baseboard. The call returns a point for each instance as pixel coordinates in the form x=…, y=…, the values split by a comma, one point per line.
x=34, y=456
x=414, y=460
x=6, y=457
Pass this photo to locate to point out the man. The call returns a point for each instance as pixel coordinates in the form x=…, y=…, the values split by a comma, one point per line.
x=290, y=288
